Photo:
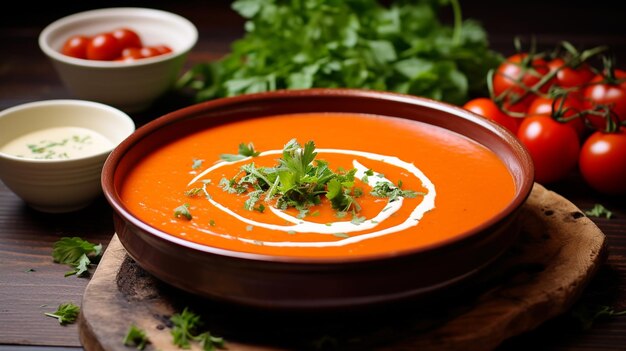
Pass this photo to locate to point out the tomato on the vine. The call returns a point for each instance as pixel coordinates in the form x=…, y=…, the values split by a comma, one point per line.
x=606, y=90
x=553, y=147
x=570, y=77
x=515, y=77
x=76, y=46
x=104, y=46
x=488, y=109
x=562, y=108
x=603, y=161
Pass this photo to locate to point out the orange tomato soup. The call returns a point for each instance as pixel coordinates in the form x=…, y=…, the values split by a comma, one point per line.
x=460, y=184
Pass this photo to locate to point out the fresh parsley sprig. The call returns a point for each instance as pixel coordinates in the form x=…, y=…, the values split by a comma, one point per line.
x=598, y=211
x=185, y=330
x=66, y=313
x=245, y=150
x=299, y=181
x=136, y=337
x=77, y=253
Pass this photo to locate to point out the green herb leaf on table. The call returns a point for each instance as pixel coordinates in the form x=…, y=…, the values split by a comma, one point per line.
x=588, y=314
x=598, y=211
x=403, y=47
x=186, y=326
x=77, y=253
x=136, y=337
x=66, y=313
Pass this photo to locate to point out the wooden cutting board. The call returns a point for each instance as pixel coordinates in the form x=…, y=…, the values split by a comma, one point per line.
x=540, y=277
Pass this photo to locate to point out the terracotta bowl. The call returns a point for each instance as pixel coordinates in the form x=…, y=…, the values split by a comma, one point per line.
x=292, y=283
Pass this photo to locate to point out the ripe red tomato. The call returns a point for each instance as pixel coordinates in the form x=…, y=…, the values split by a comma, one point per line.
x=104, y=47
x=76, y=46
x=515, y=76
x=127, y=38
x=560, y=107
x=568, y=77
x=148, y=51
x=603, y=92
x=553, y=146
x=603, y=161
x=488, y=109
x=162, y=49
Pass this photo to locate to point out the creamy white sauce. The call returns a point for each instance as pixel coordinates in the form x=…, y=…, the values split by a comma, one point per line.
x=302, y=226
x=58, y=143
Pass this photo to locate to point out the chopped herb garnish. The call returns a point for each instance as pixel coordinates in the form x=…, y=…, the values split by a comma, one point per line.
x=386, y=189
x=136, y=337
x=291, y=232
x=598, y=211
x=193, y=192
x=182, y=211
x=197, y=163
x=65, y=313
x=77, y=253
x=245, y=150
x=249, y=228
x=212, y=223
x=341, y=235
x=357, y=220
x=185, y=330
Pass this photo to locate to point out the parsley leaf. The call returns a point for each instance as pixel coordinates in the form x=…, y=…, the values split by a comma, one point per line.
x=77, y=253
x=402, y=46
x=245, y=150
x=598, y=211
x=65, y=313
x=182, y=211
x=388, y=190
x=186, y=326
x=588, y=314
x=136, y=337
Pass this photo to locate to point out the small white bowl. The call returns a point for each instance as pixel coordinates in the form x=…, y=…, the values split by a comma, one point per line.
x=55, y=184
x=130, y=86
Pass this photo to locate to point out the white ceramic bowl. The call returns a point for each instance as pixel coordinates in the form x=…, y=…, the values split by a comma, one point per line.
x=59, y=184
x=130, y=86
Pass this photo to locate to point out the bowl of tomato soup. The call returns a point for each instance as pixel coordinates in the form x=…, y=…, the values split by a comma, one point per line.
x=317, y=198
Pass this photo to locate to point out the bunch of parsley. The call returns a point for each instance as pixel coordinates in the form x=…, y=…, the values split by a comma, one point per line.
x=298, y=44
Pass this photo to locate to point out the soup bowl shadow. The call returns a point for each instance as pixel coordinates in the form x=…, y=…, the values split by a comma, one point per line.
x=300, y=283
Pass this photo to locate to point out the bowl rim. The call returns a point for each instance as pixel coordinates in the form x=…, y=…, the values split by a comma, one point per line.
x=523, y=189
x=125, y=121
x=95, y=13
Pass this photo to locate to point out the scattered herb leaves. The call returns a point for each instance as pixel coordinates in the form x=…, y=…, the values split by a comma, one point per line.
x=66, y=313
x=598, y=211
x=197, y=163
x=587, y=314
x=136, y=337
x=77, y=253
x=185, y=330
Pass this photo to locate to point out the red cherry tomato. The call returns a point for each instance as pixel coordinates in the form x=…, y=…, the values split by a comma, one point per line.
x=515, y=76
x=76, y=46
x=610, y=94
x=104, y=47
x=127, y=38
x=560, y=107
x=568, y=77
x=148, y=51
x=553, y=146
x=162, y=49
x=488, y=109
x=603, y=162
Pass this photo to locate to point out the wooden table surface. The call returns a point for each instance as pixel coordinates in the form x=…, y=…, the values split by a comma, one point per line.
x=31, y=284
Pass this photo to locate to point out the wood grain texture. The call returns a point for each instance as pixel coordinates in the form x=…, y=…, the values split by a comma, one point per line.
x=540, y=277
